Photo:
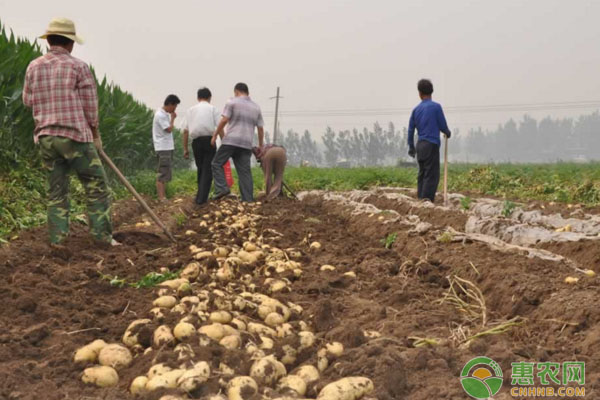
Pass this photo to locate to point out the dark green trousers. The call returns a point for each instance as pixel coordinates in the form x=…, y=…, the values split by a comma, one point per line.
x=60, y=156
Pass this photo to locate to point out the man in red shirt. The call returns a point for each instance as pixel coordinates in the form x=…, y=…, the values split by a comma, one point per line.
x=61, y=91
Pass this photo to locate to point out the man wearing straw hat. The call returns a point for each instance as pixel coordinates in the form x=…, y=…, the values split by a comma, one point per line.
x=61, y=91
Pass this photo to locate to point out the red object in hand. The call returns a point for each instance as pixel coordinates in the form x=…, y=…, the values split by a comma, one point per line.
x=228, y=174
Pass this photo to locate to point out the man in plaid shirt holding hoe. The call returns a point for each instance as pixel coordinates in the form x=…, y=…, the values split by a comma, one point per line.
x=61, y=91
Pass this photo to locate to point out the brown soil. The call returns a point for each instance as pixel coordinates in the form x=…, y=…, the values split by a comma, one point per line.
x=55, y=302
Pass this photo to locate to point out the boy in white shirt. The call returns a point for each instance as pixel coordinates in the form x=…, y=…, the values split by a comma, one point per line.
x=162, y=136
x=200, y=123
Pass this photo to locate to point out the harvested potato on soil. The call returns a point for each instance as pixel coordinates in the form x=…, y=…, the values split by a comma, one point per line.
x=335, y=349
x=191, y=271
x=101, y=376
x=168, y=380
x=315, y=246
x=215, y=331
x=130, y=337
x=192, y=378
x=138, y=385
x=89, y=352
x=158, y=369
x=267, y=370
x=307, y=339
x=351, y=388
x=308, y=373
x=293, y=382
x=231, y=342
x=274, y=319
x=165, y=302
x=241, y=388
x=115, y=356
x=162, y=335
x=184, y=330
x=222, y=317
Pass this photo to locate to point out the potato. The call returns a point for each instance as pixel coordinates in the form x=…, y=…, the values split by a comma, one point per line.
x=250, y=247
x=184, y=351
x=191, y=271
x=327, y=267
x=158, y=369
x=101, y=376
x=157, y=314
x=220, y=252
x=293, y=382
x=260, y=329
x=173, y=284
x=168, y=380
x=238, y=324
x=267, y=343
x=322, y=361
x=222, y=317
x=225, y=273
x=315, y=246
x=307, y=339
x=350, y=274
x=308, y=373
x=246, y=257
x=231, y=342
x=89, y=352
x=115, y=356
x=190, y=232
x=138, y=385
x=285, y=330
x=162, y=335
x=201, y=255
x=289, y=354
x=276, y=285
x=335, y=349
x=241, y=388
x=267, y=370
x=184, y=289
x=351, y=388
x=274, y=319
x=130, y=337
x=215, y=331
x=165, y=302
x=192, y=378
x=571, y=280
x=184, y=330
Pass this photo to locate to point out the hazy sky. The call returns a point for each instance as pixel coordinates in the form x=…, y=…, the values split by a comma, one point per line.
x=330, y=55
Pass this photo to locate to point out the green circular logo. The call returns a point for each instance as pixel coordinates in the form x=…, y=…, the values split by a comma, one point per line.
x=481, y=378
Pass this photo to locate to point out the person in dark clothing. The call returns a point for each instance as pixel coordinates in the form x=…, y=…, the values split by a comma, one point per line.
x=429, y=120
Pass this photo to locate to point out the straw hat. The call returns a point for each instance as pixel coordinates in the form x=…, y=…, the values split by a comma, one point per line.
x=62, y=27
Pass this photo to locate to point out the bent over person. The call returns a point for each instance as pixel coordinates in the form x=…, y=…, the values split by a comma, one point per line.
x=428, y=119
x=61, y=91
x=272, y=159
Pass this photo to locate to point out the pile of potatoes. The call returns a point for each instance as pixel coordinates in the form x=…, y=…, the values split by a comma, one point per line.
x=235, y=310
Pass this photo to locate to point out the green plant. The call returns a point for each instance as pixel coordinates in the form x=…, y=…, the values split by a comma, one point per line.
x=149, y=280
x=180, y=219
x=508, y=208
x=465, y=203
x=389, y=240
x=445, y=237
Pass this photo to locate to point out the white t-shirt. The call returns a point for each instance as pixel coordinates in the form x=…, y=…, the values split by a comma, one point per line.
x=162, y=139
x=202, y=120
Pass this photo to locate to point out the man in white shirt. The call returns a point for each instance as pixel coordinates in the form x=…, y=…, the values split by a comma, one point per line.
x=164, y=146
x=200, y=122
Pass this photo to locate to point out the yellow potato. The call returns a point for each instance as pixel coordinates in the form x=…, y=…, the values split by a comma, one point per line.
x=130, y=337
x=158, y=369
x=191, y=271
x=231, y=342
x=308, y=373
x=267, y=370
x=220, y=252
x=260, y=329
x=162, y=335
x=307, y=339
x=138, y=385
x=89, y=352
x=192, y=378
x=351, y=388
x=293, y=382
x=215, y=331
x=165, y=302
x=336, y=349
x=101, y=376
x=241, y=388
x=222, y=317
x=115, y=356
x=184, y=330
x=274, y=319
x=315, y=246
x=168, y=380
x=173, y=284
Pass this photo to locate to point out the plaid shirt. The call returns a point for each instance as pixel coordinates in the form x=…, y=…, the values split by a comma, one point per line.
x=61, y=90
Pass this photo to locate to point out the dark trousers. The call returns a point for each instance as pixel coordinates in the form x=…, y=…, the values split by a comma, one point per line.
x=428, y=156
x=203, y=155
x=241, y=160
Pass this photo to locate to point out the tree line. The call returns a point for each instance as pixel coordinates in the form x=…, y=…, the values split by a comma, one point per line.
x=524, y=141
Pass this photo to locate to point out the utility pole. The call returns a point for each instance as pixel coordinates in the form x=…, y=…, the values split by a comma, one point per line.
x=275, y=126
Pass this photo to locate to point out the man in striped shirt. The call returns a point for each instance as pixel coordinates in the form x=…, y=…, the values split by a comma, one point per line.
x=61, y=91
x=241, y=115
